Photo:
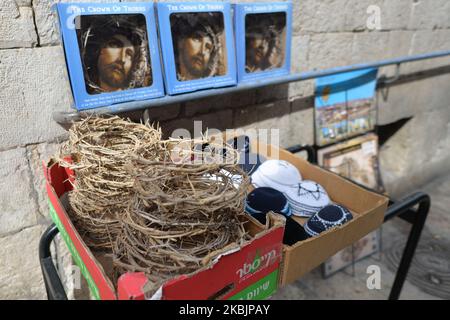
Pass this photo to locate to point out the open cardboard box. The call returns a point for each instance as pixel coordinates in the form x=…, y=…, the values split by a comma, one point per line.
x=368, y=209
x=247, y=272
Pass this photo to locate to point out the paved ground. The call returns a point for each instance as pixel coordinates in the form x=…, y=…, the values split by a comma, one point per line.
x=345, y=285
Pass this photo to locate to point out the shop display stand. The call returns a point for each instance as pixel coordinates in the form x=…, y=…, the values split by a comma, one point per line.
x=372, y=120
x=64, y=118
x=404, y=209
x=413, y=209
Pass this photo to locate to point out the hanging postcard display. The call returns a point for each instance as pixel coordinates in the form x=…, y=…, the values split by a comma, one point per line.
x=111, y=52
x=344, y=105
x=197, y=45
x=263, y=40
x=356, y=159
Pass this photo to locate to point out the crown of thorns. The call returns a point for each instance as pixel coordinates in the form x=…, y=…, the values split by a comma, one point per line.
x=99, y=28
x=265, y=22
x=188, y=23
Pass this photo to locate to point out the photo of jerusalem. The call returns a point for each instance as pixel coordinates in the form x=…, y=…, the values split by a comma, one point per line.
x=341, y=120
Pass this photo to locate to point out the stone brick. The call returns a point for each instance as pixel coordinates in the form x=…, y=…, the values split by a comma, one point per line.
x=399, y=45
x=18, y=207
x=272, y=93
x=46, y=22
x=370, y=47
x=243, y=117
x=301, y=123
x=395, y=14
x=310, y=16
x=220, y=120
x=265, y=116
x=280, y=123
x=233, y=100
x=299, y=53
x=20, y=272
x=356, y=14
x=252, y=114
x=295, y=123
x=300, y=89
x=430, y=15
x=300, y=63
x=333, y=16
x=329, y=50
x=426, y=42
x=164, y=113
x=16, y=25
x=418, y=152
x=408, y=99
x=23, y=3
x=28, y=103
x=302, y=104
x=153, y=114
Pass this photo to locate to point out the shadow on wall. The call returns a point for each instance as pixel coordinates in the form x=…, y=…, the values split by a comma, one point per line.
x=412, y=77
x=385, y=132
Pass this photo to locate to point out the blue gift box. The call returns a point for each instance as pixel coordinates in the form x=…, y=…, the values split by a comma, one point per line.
x=197, y=45
x=111, y=52
x=263, y=40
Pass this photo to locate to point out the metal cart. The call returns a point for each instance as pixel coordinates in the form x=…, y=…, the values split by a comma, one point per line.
x=413, y=209
x=404, y=209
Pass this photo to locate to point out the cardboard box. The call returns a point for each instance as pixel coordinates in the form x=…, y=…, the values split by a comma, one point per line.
x=247, y=272
x=263, y=40
x=368, y=209
x=197, y=45
x=111, y=52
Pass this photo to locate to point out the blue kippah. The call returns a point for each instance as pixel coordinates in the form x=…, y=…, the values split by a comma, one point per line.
x=248, y=161
x=263, y=200
x=328, y=217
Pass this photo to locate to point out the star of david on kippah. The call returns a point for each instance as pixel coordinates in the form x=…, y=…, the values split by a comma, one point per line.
x=283, y=164
x=314, y=193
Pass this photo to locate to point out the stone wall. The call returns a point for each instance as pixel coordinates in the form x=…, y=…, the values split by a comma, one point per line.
x=327, y=33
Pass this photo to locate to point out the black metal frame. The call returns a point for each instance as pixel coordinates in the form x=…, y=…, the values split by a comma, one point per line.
x=53, y=285
x=404, y=209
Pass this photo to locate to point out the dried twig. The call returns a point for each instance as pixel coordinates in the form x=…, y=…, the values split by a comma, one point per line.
x=182, y=213
x=162, y=207
x=100, y=148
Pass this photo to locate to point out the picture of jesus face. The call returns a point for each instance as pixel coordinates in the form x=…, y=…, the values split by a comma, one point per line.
x=199, y=45
x=114, y=52
x=265, y=41
x=258, y=49
x=115, y=62
x=195, y=51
